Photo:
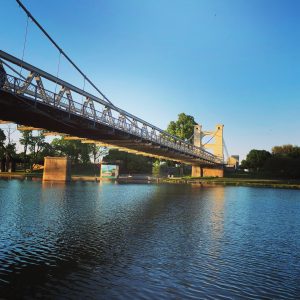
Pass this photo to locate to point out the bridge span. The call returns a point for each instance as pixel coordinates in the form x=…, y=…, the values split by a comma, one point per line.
x=42, y=100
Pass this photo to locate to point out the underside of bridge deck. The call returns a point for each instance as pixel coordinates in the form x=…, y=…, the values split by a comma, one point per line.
x=21, y=110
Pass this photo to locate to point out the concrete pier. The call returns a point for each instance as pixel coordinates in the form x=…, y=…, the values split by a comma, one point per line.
x=57, y=169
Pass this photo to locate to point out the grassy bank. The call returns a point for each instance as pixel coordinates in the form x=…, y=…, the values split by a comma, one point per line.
x=234, y=181
x=21, y=174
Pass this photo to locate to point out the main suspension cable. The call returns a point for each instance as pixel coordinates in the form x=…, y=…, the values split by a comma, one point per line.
x=62, y=51
x=68, y=58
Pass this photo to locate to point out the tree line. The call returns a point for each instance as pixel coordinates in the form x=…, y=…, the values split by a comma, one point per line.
x=282, y=161
x=35, y=148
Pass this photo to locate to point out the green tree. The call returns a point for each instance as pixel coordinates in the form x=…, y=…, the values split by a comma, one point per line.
x=183, y=127
x=244, y=164
x=10, y=151
x=256, y=159
x=287, y=151
x=130, y=163
x=77, y=151
x=7, y=152
x=25, y=140
x=156, y=167
x=36, y=145
x=66, y=147
x=98, y=152
x=283, y=167
x=10, y=154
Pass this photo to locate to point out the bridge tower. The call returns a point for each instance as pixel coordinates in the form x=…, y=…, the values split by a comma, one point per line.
x=218, y=146
x=215, y=144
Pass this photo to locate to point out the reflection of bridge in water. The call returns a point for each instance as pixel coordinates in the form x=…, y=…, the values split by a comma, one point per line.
x=41, y=100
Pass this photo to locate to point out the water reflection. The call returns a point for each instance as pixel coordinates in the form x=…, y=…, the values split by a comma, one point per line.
x=217, y=212
x=93, y=240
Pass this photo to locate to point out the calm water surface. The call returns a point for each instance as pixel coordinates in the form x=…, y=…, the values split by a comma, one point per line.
x=110, y=241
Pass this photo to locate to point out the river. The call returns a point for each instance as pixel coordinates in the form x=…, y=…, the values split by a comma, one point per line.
x=148, y=241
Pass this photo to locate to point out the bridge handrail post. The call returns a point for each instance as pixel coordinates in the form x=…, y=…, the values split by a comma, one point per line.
x=15, y=79
x=95, y=116
x=69, y=108
x=35, y=94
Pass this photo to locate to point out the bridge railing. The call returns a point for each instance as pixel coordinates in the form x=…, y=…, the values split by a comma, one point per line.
x=78, y=102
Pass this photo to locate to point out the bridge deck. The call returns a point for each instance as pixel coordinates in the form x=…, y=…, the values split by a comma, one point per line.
x=86, y=116
x=22, y=110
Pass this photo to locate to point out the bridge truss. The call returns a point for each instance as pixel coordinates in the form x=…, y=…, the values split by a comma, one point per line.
x=38, y=86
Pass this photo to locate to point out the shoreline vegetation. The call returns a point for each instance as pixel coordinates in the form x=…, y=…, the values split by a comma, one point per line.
x=278, y=168
x=225, y=181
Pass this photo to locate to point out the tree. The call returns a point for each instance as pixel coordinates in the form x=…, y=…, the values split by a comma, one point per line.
x=98, y=152
x=77, y=151
x=7, y=152
x=256, y=159
x=10, y=155
x=10, y=151
x=36, y=145
x=131, y=163
x=25, y=140
x=10, y=130
x=284, y=162
x=283, y=167
x=2, y=143
x=183, y=127
x=287, y=151
x=244, y=164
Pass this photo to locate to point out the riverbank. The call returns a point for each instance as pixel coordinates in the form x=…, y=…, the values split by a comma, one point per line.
x=84, y=178
x=20, y=175
x=272, y=183
x=226, y=181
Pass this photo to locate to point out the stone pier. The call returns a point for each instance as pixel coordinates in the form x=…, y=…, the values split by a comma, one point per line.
x=213, y=172
x=57, y=169
x=198, y=171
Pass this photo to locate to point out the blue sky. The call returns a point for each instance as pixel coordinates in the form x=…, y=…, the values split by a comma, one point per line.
x=230, y=62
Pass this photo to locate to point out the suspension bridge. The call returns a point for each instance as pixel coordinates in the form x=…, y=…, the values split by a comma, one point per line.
x=33, y=97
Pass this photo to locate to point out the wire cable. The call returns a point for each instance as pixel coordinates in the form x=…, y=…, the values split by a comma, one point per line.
x=83, y=88
x=225, y=148
x=62, y=51
x=68, y=58
x=57, y=73
x=24, y=44
x=211, y=138
x=190, y=137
